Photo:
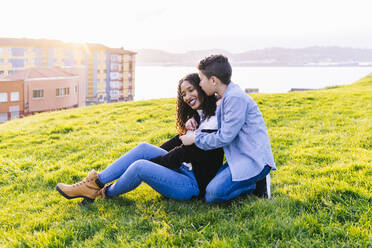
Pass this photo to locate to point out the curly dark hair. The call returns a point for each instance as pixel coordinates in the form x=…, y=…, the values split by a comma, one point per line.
x=185, y=112
x=218, y=66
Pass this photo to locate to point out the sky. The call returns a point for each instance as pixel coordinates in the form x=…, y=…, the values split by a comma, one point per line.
x=180, y=26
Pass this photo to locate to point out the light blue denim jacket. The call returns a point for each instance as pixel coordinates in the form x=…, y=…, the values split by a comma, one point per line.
x=242, y=133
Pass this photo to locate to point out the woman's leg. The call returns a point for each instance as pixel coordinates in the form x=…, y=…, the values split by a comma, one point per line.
x=116, y=169
x=176, y=184
x=222, y=188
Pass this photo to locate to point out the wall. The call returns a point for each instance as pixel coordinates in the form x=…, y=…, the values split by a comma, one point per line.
x=11, y=86
x=50, y=101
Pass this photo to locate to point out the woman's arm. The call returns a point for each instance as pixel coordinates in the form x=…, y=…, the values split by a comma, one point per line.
x=173, y=159
x=171, y=143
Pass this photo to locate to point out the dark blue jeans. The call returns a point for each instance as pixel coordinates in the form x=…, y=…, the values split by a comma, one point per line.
x=222, y=188
x=134, y=168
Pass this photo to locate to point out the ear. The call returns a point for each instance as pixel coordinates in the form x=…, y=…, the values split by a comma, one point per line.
x=214, y=80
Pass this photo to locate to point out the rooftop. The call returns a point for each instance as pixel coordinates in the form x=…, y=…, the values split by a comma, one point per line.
x=120, y=51
x=39, y=73
x=25, y=42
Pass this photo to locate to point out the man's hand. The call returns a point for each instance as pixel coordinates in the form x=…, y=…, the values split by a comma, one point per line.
x=191, y=124
x=188, y=138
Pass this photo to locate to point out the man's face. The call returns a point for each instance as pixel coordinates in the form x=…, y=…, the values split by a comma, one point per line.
x=206, y=84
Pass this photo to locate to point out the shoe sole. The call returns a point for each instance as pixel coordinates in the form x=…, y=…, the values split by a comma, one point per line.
x=86, y=199
x=268, y=186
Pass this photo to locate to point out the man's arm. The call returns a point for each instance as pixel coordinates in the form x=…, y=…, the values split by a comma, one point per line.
x=232, y=121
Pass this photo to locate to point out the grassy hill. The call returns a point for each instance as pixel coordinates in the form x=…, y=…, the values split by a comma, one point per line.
x=322, y=144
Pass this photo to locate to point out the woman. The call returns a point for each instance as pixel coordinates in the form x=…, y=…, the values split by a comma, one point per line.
x=161, y=168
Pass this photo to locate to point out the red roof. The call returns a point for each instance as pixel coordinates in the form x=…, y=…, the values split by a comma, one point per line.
x=39, y=72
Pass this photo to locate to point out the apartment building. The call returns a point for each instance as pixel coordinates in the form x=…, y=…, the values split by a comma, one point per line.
x=11, y=100
x=110, y=73
x=40, y=89
x=121, y=79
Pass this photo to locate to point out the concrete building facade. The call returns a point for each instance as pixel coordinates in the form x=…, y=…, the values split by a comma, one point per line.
x=11, y=100
x=102, y=65
x=40, y=89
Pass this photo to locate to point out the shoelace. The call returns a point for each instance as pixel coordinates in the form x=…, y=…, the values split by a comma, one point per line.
x=82, y=182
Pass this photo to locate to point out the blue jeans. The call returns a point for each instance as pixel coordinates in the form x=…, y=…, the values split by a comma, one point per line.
x=134, y=168
x=222, y=188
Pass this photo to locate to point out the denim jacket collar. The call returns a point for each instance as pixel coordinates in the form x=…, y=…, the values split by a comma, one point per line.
x=228, y=88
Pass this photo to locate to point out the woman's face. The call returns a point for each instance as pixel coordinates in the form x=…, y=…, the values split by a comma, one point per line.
x=190, y=95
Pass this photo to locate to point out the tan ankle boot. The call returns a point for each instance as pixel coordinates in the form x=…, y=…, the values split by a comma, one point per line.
x=87, y=189
x=102, y=192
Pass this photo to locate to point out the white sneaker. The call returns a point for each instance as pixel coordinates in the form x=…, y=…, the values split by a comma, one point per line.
x=263, y=187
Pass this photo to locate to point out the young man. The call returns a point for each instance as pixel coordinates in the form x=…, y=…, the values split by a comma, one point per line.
x=241, y=132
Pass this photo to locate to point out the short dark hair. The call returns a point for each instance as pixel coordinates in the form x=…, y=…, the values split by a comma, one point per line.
x=216, y=65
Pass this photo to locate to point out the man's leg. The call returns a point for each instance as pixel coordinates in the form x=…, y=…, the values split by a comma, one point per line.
x=222, y=188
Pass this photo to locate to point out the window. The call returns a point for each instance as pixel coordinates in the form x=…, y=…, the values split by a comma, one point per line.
x=62, y=91
x=19, y=52
x=14, y=112
x=129, y=75
x=14, y=115
x=2, y=73
x=130, y=92
x=114, y=75
x=38, y=50
x=114, y=84
x=39, y=93
x=1, y=50
x=114, y=67
x=76, y=89
x=130, y=57
x=130, y=83
x=114, y=58
x=14, y=96
x=3, y=117
x=3, y=96
x=1, y=61
x=114, y=94
x=17, y=62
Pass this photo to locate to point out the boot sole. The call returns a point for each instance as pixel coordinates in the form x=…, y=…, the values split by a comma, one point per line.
x=265, y=190
x=86, y=199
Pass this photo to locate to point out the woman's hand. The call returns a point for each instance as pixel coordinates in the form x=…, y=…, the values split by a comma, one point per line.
x=191, y=124
x=188, y=138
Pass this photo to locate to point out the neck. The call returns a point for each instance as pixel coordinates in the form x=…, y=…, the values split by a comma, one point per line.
x=221, y=88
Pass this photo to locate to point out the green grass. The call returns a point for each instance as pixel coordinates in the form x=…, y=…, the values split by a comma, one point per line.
x=322, y=144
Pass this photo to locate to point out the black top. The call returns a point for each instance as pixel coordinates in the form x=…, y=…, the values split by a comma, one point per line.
x=205, y=164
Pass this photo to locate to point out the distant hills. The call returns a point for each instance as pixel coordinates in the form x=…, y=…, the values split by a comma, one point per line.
x=311, y=56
